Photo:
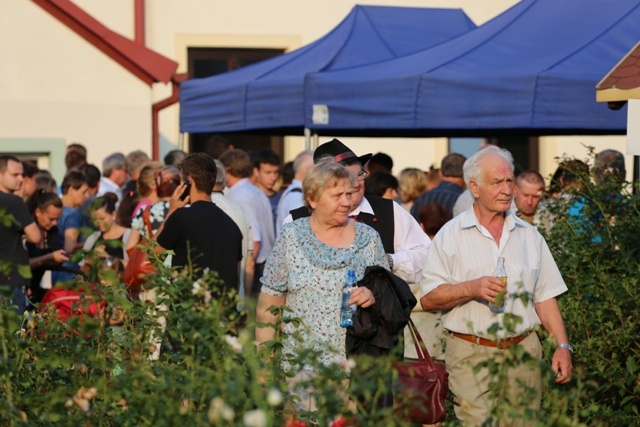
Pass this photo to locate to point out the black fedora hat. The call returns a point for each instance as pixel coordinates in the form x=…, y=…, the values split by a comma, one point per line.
x=340, y=152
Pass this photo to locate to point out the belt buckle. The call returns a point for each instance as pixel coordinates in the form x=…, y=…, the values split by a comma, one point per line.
x=477, y=339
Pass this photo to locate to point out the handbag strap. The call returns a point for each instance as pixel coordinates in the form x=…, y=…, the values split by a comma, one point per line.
x=147, y=220
x=421, y=348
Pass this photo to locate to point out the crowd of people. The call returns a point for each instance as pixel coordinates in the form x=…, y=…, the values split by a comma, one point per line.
x=290, y=240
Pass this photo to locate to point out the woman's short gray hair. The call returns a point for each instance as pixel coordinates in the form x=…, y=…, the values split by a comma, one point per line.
x=324, y=174
x=472, y=169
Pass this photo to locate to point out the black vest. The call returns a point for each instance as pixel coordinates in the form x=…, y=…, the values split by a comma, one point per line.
x=381, y=221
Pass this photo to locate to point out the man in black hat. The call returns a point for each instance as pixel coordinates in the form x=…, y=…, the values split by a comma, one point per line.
x=403, y=239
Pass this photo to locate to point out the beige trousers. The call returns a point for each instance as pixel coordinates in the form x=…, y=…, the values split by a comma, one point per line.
x=471, y=389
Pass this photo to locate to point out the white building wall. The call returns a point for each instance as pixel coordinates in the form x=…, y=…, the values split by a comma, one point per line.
x=54, y=84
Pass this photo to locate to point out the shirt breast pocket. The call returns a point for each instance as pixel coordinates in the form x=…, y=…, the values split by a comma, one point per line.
x=522, y=280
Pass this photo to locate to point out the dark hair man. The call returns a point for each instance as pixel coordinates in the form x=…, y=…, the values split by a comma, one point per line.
x=76, y=156
x=527, y=193
x=379, y=162
x=29, y=171
x=12, y=252
x=266, y=169
x=450, y=187
x=255, y=204
x=11, y=174
x=74, y=193
x=202, y=236
x=609, y=164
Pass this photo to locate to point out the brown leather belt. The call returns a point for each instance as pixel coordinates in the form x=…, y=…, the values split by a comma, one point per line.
x=502, y=344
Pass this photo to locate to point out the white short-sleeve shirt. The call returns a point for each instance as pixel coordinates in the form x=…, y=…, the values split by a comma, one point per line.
x=465, y=250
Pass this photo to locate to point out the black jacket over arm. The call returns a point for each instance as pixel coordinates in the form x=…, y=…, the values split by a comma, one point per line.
x=377, y=329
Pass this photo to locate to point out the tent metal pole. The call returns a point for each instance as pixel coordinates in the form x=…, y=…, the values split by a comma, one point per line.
x=181, y=141
x=307, y=138
x=315, y=140
x=636, y=174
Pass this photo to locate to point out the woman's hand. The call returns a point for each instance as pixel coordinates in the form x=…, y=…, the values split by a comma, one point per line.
x=59, y=256
x=362, y=297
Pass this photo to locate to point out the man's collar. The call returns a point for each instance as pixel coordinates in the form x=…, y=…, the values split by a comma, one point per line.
x=364, y=206
x=469, y=219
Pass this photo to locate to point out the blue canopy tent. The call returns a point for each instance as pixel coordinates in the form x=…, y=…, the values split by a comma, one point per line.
x=270, y=94
x=533, y=69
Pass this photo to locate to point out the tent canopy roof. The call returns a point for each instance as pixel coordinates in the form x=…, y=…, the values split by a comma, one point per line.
x=270, y=94
x=533, y=68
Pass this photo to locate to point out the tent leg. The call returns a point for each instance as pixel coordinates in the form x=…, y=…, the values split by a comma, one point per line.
x=181, y=141
x=307, y=139
x=636, y=174
x=315, y=141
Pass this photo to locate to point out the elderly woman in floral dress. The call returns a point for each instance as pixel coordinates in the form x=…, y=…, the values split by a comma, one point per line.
x=309, y=264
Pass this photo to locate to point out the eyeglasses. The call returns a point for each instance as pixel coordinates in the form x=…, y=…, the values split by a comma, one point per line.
x=362, y=174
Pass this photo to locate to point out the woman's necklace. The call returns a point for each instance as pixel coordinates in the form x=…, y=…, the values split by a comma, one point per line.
x=45, y=240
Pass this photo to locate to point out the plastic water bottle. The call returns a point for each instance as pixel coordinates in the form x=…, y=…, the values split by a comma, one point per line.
x=348, y=311
x=501, y=273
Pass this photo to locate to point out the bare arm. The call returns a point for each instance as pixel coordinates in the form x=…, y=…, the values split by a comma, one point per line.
x=549, y=313
x=249, y=273
x=32, y=233
x=71, y=239
x=448, y=295
x=50, y=259
x=132, y=241
x=256, y=249
x=264, y=334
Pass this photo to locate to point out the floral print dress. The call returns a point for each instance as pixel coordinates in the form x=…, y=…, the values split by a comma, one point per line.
x=157, y=215
x=311, y=275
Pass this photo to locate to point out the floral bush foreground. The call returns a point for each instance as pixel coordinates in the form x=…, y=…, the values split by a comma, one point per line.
x=87, y=371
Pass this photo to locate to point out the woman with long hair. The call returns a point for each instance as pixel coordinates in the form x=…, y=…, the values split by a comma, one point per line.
x=49, y=254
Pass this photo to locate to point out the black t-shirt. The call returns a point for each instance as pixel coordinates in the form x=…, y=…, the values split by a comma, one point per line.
x=11, y=247
x=214, y=240
x=52, y=242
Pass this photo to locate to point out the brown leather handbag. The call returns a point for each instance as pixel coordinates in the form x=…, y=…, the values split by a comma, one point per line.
x=421, y=386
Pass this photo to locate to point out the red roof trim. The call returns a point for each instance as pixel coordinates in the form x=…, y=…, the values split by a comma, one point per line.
x=142, y=62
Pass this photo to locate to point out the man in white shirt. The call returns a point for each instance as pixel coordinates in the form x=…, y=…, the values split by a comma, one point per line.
x=292, y=197
x=242, y=221
x=459, y=282
x=257, y=207
x=114, y=175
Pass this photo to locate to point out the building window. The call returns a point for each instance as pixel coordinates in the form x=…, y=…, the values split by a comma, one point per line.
x=205, y=62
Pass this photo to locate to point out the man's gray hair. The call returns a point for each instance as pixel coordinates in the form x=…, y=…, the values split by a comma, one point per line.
x=221, y=175
x=472, y=167
x=111, y=162
x=135, y=161
x=300, y=158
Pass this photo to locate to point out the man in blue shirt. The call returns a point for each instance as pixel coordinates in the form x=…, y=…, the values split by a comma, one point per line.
x=450, y=187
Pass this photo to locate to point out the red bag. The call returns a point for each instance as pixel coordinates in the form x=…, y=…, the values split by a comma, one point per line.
x=139, y=264
x=420, y=390
x=69, y=303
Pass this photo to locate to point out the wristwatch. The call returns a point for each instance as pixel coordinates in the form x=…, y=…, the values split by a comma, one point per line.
x=565, y=345
x=390, y=261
